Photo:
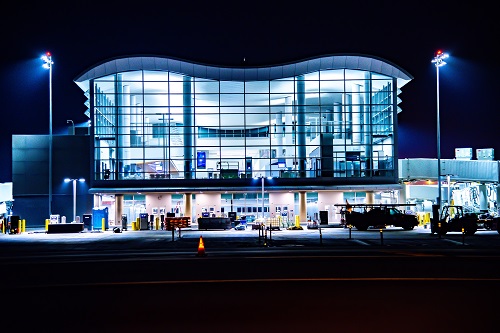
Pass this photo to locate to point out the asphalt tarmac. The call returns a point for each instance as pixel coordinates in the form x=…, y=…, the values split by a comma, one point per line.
x=328, y=279
x=188, y=240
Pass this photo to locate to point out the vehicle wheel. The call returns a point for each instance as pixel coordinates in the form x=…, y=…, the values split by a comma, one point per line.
x=408, y=227
x=361, y=227
x=441, y=232
x=471, y=230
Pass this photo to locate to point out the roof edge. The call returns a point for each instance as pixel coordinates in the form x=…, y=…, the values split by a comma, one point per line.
x=247, y=73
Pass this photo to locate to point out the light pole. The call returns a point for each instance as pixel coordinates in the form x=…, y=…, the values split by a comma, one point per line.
x=439, y=62
x=262, y=178
x=47, y=59
x=262, y=183
x=73, y=126
x=67, y=180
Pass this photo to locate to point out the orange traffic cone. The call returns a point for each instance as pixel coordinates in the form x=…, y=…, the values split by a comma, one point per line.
x=201, y=248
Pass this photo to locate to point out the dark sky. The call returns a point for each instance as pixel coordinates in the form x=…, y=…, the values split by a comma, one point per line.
x=81, y=34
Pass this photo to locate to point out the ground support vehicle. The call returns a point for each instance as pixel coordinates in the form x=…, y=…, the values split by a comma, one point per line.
x=272, y=223
x=211, y=223
x=489, y=222
x=453, y=219
x=363, y=216
x=240, y=226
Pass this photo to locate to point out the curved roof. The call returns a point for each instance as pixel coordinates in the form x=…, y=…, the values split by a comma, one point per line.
x=157, y=63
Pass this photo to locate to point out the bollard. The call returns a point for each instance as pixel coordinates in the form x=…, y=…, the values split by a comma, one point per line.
x=47, y=224
x=265, y=236
x=297, y=221
x=157, y=223
x=463, y=236
x=320, y=237
x=350, y=229
x=270, y=228
x=381, y=236
x=439, y=230
x=23, y=226
x=103, y=224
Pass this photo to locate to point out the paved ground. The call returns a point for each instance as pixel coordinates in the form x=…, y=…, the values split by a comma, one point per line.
x=189, y=240
x=161, y=239
x=158, y=277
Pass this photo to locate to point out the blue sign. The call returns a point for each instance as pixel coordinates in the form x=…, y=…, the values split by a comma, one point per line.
x=201, y=160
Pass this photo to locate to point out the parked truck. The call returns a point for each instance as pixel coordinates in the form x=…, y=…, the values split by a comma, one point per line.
x=363, y=216
x=489, y=222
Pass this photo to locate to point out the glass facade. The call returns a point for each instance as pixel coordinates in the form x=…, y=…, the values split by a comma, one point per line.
x=163, y=124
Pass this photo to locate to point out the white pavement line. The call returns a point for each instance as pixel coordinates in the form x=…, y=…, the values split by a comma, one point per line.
x=360, y=242
x=454, y=242
x=257, y=280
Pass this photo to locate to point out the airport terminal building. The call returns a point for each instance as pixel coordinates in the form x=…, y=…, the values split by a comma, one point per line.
x=290, y=141
x=174, y=136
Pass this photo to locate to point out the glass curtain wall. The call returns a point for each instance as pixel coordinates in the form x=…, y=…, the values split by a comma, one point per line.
x=161, y=125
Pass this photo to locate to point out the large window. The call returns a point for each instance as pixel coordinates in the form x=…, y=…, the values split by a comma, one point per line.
x=332, y=123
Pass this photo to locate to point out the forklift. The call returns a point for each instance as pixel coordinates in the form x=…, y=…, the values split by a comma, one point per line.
x=454, y=219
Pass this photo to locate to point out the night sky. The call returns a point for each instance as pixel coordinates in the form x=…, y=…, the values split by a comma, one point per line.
x=82, y=34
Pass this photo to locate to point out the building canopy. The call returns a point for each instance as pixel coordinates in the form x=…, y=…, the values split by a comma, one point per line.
x=157, y=63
